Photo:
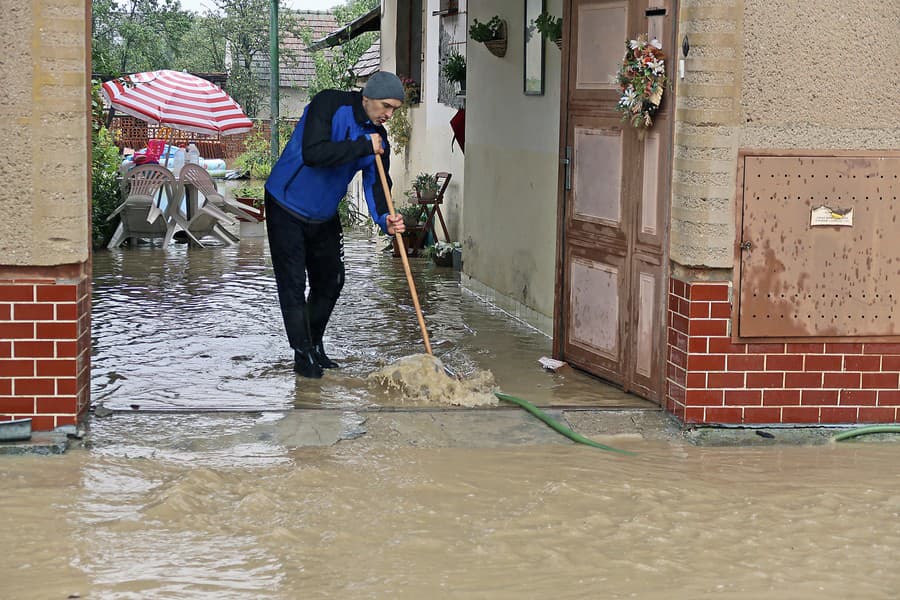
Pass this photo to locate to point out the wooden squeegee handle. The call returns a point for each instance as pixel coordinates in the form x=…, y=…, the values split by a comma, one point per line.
x=403, y=256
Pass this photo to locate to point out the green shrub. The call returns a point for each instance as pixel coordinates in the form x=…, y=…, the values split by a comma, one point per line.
x=105, y=160
x=257, y=159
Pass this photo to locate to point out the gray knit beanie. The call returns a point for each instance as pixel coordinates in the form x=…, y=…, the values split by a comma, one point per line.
x=384, y=85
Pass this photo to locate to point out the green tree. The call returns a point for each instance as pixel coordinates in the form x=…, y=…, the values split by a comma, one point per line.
x=129, y=36
x=334, y=66
x=204, y=47
x=244, y=26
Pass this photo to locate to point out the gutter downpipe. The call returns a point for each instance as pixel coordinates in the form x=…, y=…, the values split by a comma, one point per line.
x=274, y=78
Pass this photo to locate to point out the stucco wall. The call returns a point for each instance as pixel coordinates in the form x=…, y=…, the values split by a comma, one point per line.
x=773, y=74
x=430, y=149
x=44, y=134
x=291, y=102
x=512, y=140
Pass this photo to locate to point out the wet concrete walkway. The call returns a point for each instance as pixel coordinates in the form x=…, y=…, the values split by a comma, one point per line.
x=198, y=329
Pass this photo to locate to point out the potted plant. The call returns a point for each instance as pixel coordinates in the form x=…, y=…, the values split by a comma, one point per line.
x=252, y=194
x=426, y=186
x=550, y=27
x=492, y=34
x=454, y=69
x=442, y=253
x=415, y=229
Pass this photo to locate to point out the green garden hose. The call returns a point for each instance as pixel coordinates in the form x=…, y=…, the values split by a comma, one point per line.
x=865, y=430
x=557, y=425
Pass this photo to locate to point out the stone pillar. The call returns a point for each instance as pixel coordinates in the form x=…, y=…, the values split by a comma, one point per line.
x=754, y=80
x=45, y=203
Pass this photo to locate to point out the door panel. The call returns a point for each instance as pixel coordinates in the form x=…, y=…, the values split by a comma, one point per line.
x=601, y=36
x=610, y=309
x=598, y=175
x=647, y=357
x=594, y=335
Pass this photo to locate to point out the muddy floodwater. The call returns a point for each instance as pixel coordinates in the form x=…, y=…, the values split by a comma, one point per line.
x=179, y=507
x=219, y=475
x=200, y=329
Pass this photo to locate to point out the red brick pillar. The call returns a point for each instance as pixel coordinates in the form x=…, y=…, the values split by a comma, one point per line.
x=45, y=328
x=712, y=380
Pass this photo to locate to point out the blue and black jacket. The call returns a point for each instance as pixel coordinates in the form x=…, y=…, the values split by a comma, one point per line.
x=329, y=145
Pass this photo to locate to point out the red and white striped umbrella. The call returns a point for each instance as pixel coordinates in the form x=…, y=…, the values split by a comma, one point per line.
x=178, y=100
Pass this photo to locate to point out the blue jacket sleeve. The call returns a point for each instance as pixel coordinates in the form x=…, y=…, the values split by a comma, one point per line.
x=375, y=198
x=319, y=149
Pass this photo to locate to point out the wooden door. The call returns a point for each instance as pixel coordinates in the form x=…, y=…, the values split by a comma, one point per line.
x=611, y=292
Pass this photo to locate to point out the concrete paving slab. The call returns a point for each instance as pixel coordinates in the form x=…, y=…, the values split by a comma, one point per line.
x=41, y=442
x=304, y=428
x=429, y=427
x=462, y=428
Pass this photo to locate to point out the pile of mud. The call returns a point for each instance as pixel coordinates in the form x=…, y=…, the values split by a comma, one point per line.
x=421, y=381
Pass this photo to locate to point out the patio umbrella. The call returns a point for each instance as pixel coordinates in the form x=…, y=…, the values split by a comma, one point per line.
x=178, y=100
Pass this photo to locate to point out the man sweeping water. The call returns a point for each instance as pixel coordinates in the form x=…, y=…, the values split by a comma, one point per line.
x=339, y=134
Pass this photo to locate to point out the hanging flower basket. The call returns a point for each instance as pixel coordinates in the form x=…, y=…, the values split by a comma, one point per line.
x=642, y=79
x=492, y=34
x=498, y=47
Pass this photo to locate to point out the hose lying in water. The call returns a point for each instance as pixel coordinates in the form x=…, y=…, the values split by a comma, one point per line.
x=557, y=425
x=866, y=430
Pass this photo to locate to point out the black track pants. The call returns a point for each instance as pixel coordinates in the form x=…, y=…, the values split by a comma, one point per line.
x=299, y=249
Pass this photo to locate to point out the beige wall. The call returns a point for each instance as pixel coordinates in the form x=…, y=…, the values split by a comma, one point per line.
x=44, y=134
x=291, y=102
x=430, y=148
x=512, y=140
x=774, y=74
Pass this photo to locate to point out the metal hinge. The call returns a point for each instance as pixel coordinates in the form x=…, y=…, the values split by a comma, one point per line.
x=567, y=162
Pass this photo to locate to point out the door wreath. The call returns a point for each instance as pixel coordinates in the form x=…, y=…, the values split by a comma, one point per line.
x=642, y=78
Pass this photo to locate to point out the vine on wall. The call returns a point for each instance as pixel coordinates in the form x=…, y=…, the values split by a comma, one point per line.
x=398, y=126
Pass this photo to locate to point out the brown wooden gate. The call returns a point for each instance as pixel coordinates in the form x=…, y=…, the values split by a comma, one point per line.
x=611, y=292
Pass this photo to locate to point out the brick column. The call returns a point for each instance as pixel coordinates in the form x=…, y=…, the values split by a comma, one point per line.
x=45, y=325
x=712, y=380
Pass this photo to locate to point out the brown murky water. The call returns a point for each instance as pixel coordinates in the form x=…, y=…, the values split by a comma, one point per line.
x=200, y=329
x=180, y=502
x=193, y=507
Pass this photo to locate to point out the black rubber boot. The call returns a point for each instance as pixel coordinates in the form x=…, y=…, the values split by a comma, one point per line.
x=297, y=326
x=322, y=358
x=306, y=364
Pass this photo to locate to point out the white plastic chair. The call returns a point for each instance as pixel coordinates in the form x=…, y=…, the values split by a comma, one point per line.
x=140, y=215
x=208, y=209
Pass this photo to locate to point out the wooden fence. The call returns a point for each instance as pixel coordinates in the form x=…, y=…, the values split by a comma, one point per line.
x=130, y=132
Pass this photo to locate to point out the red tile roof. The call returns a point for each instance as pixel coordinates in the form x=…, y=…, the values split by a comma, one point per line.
x=296, y=73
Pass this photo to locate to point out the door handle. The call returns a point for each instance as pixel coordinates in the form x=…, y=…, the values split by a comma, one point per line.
x=748, y=246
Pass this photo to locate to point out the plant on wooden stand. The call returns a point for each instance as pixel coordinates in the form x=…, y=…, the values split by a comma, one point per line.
x=413, y=219
x=427, y=186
